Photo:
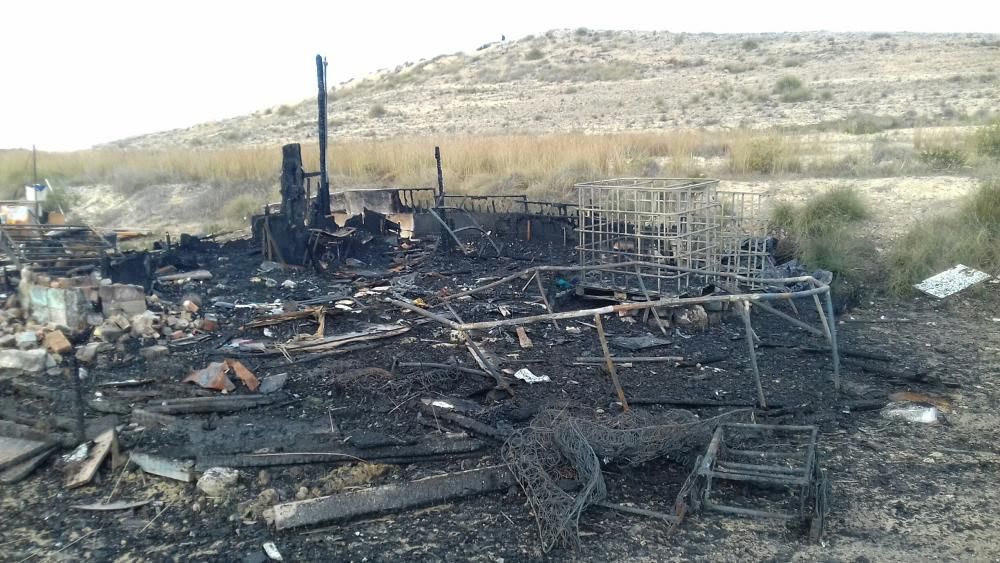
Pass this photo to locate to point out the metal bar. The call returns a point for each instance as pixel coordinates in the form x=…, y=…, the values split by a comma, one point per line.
x=766, y=479
x=734, y=466
x=749, y=511
x=832, y=324
x=789, y=429
x=796, y=322
x=745, y=313
x=642, y=286
x=446, y=227
x=822, y=318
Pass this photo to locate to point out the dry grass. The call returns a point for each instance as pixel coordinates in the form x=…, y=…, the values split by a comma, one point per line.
x=969, y=235
x=823, y=231
x=542, y=166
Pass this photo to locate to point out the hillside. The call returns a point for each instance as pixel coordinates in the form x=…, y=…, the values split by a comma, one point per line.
x=609, y=81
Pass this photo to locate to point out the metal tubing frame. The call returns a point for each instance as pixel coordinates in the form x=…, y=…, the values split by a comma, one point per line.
x=709, y=464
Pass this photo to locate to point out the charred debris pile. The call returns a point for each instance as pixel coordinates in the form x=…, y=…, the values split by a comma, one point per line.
x=442, y=347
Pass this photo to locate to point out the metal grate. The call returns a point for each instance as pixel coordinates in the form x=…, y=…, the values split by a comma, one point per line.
x=669, y=221
x=745, y=245
x=54, y=249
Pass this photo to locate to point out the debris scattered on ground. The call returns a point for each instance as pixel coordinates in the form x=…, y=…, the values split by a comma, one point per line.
x=951, y=281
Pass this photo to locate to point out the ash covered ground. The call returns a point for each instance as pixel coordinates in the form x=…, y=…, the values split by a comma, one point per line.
x=899, y=489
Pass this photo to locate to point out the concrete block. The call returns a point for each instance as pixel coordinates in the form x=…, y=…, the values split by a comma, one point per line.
x=26, y=340
x=122, y=298
x=23, y=361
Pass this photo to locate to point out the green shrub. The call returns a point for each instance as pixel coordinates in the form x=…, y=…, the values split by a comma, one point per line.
x=787, y=83
x=377, y=111
x=534, y=54
x=791, y=89
x=750, y=45
x=942, y=151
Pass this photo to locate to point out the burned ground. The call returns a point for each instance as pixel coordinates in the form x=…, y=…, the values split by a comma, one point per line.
x=900, y=490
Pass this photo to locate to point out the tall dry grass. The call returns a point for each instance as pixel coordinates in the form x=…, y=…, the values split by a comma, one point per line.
x=539, y=165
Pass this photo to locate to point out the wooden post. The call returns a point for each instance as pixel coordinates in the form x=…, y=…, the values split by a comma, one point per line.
x=610, y=363
x=545, y=299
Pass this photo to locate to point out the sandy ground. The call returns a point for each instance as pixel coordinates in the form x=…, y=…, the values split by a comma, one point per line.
x=896, y=202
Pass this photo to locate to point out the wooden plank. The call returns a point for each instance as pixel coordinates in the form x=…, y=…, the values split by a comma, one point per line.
x=103, y=445
x=195, y=275
x=14, y=451
x=18, y=472
x=522, y=338
x=388, y=498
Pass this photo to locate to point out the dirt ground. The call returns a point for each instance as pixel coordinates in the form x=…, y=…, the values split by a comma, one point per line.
x=901, y=491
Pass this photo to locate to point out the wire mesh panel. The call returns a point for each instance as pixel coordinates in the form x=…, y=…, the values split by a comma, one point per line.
x=745, y=246
x=669, y=221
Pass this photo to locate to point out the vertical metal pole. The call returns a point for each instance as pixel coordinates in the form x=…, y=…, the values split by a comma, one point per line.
x=610, y=363
x=34, y=166
x=832, y=324
x=745, y=313
x=440, y=192
x=322, y=208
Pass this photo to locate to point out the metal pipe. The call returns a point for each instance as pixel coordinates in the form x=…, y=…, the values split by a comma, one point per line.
x=831, y=322
x=745, y=312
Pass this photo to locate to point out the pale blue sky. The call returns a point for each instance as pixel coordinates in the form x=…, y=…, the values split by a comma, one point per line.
x=79, y=73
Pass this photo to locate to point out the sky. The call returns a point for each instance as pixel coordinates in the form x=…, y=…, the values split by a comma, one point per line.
x=79, y=73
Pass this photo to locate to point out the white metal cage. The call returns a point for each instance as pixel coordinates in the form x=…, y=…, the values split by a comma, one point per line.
x=686, y=224
x=746, y=246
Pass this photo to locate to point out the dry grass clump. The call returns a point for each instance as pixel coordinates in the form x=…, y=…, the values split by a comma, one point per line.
x=943, y=150
x=969, y=235
x=764, y=153
x=823, y=231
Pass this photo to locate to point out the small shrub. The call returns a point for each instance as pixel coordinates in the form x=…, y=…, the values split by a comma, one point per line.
x=942, y=151
x=787, y=83
x=377, y=111
x=987, y=140
x=791, y=89
x=822, y=233
x=750, y=45
x=737, y=68
x=792, y=61
x=581, y=32
x=867, y=123
x=534, y=54
x=285, y=110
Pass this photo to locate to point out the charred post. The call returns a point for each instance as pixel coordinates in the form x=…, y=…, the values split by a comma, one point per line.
x=322, y=204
